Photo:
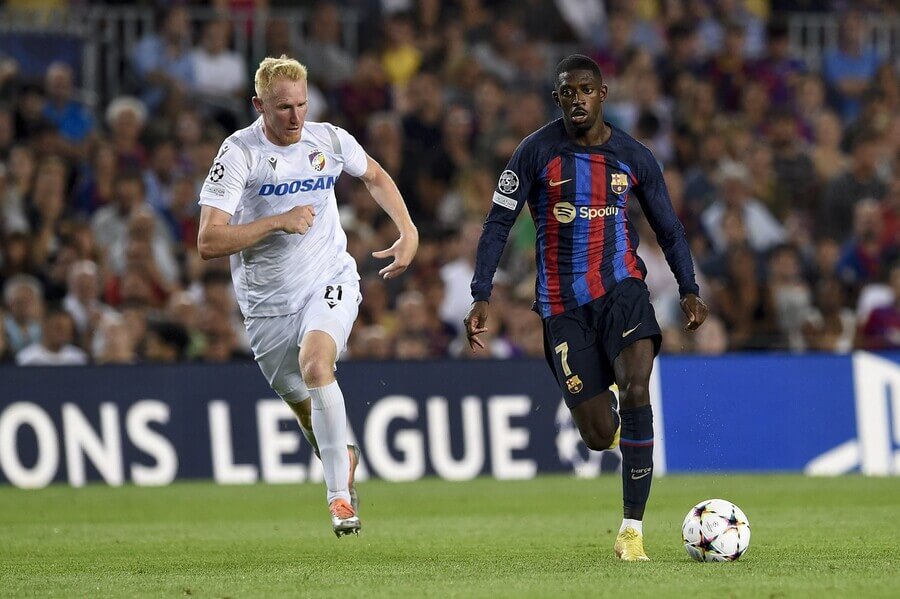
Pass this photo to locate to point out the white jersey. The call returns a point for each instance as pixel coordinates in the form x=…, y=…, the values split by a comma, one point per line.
x=252, y=178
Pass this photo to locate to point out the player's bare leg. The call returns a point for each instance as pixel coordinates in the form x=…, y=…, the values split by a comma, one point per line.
x=303, y=411
x=632, y=369
x=318, y=353
x=598, y=421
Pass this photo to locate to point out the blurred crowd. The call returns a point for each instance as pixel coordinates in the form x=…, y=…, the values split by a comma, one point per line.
x=786, y=175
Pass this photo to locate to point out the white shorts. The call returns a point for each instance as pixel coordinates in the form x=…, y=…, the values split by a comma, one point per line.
x=275, y=340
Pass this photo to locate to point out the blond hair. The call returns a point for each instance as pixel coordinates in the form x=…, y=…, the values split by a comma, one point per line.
x=274, y=68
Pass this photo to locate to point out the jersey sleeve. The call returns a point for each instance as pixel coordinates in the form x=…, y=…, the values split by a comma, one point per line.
x=651, y=192
x=227, y=178
x=510, y=195
x=355, y=160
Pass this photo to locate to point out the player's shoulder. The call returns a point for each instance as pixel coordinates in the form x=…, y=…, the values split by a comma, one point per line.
x=328, y=135
x=244, y=142
x=542, y=140
x=551, y=133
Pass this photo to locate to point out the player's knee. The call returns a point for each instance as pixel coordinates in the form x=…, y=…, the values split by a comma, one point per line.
x=597, y=439
x=635, y=393
x=316, y=372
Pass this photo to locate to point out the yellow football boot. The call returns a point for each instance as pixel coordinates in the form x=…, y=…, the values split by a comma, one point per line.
x=629, y=546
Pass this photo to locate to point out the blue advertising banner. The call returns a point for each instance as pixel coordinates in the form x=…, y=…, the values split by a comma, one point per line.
x=456, y=419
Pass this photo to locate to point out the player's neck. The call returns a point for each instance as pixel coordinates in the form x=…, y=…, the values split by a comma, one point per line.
x=267, y=135
x=597, y=135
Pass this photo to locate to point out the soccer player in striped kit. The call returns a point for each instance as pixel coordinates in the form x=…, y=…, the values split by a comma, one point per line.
x=576, y=175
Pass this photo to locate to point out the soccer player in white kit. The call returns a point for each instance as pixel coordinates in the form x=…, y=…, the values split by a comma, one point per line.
x=269, y=203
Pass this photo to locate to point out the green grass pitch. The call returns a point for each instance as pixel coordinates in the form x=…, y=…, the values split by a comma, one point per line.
x=548, y=537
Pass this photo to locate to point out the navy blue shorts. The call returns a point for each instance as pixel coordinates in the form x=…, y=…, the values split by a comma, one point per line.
x=581, y=344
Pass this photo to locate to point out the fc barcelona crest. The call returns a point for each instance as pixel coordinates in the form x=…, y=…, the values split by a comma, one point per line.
x=574, y=384
x=618, y=182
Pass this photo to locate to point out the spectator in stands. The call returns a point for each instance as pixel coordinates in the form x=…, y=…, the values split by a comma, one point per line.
x=29, y=108
x=729, y=71
x=790, y=293
x=46, y=206
x=163, y=60
x=165, y=342
x=22, y=168
x=7, y=132
x=865, y=255
x=829, y=159
x=778, y=70
x=24, y=300
x=522, y=330
x=763, y=230
x=414, y=318
x=850, y=66
x=829, y=325
x=586, y=18
x=795, y=188
x=16, y=256
x=809, y=103
x=72, y=118
x=183, y=309
x=457, y=273
x=183, y=216
x=496, y=55
x=12, y=215
x=126, y=117
x=110, y=223
x=681, y=57
x=159, y=180
x=220, y=77
x=746, y=305
x=55, y=347
x=372, y=342
x=400, y=57
x=96, y=180
x=219, y=335
x=844, y=192
x=614, y=48
x=375, y=308
x=82, y=301
x=364, y=95
x=881, y=329
x=112, y=342
x=5, y=355
x=323, y=52
x=218, y=296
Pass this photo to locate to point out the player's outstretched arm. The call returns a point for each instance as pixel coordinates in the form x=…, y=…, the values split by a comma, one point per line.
x=476, y=323
x=217, y=238
x=695, y=309
x=385, y=192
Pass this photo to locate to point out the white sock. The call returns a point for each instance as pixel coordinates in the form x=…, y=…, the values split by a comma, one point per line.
x=329, y=423
x=628, y=523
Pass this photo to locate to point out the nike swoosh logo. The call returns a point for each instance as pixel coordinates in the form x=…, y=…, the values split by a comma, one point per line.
x=557, y=183
x=633, y=477
x=630, y=331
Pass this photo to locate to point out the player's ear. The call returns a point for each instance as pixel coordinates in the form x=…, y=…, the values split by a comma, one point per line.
x=555, y=95
x=257, y=104
x=603, y=91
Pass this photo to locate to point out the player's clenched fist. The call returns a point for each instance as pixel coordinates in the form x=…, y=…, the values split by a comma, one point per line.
x=298, y=219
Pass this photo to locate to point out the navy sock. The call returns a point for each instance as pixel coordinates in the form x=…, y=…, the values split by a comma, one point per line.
x=637, y=459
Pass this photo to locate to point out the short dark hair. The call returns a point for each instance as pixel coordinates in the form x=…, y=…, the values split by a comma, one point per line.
x=576, y=62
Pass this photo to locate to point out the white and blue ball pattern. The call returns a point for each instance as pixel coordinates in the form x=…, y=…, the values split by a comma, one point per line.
x=715, y=530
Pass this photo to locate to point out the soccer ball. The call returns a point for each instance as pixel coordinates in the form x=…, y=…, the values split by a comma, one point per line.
x=715, y=530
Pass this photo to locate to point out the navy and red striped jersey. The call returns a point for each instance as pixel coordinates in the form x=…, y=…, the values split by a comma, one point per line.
x=578, y=199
